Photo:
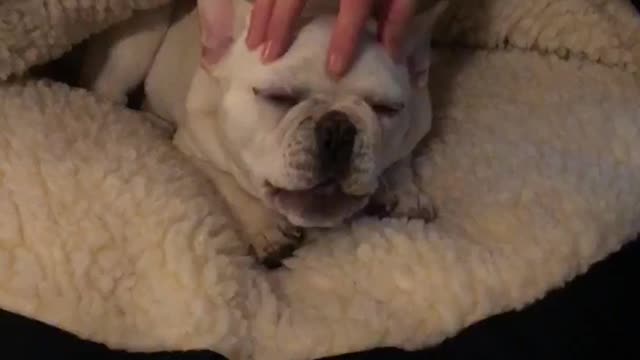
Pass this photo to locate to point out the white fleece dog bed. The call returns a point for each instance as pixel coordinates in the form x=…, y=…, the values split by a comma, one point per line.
x=107, y=231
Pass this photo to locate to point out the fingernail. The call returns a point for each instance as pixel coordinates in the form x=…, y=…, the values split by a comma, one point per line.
x=396, y=55
x=336, y=65
x=267, y=51
x=204, y=38
x=205, y=58
x=252, y=41
x=209, y=56
x=215, y=51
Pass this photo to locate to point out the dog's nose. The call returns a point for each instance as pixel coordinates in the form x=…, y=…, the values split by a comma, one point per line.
x=335, y=136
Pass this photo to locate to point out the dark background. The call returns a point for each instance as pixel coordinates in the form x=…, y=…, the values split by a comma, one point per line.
x=594, y=316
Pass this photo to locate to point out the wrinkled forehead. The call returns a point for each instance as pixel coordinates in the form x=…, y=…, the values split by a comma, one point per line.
x=373, y=73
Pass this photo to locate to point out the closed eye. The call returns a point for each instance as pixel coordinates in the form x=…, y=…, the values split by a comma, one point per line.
x=387, y=109
x=278, y=98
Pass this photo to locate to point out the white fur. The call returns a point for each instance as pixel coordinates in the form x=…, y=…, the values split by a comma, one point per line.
x=112, y=71
x=233, y=134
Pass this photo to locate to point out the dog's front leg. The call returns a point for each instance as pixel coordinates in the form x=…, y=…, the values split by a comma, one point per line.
x=118, y=59
x=271, y=237
x=400, y=197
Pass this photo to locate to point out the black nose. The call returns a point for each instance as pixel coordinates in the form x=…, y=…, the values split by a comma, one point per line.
x=335, y=135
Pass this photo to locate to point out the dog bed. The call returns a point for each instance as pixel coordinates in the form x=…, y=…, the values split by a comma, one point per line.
x=108, y=232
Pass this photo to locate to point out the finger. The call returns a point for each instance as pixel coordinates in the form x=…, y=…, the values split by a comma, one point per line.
x=352, y=18
x=216, y=28
x=394, y=25
x=258, y=23
x=279, y=32
x=216, y=20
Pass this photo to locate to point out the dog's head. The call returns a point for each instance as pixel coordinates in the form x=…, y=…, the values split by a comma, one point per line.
x=308, y=146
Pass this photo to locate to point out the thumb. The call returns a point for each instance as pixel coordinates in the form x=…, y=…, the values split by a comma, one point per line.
x=216, y=29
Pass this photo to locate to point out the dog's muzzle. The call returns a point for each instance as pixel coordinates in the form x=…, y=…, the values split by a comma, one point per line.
x=335, y=137
x=326, y=162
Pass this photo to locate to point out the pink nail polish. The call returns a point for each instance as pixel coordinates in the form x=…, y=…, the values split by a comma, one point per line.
x=267, y=51
x=251, y=43
x=336, y=64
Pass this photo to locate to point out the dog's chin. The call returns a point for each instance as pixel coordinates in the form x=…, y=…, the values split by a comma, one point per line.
x=325, y=205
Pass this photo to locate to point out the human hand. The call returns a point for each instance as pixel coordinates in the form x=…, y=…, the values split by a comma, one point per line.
x=216, y=29
x=272, y=23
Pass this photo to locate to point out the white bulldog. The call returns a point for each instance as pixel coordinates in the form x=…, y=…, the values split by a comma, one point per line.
x=287, y=146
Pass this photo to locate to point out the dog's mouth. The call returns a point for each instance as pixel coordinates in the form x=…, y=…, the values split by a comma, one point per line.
x=323, y=205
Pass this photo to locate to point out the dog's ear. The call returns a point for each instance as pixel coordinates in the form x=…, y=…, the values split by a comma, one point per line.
x=217, y=28
x=417, y=50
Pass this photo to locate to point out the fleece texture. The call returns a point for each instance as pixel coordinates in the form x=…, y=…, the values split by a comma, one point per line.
x=107, y=231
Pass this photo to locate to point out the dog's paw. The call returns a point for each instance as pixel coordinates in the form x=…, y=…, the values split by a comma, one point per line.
x=380, y=207
x=277, y=244
x=166, y=127
x=403, y=204
x=400, y=196
x=417, y=206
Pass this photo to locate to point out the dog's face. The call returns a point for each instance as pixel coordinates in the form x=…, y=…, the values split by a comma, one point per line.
x=310, y=147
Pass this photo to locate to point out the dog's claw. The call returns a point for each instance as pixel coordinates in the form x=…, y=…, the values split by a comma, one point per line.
x=274, y=256
x=279, y=244
x=291, y=232
x=380, y=209
x=412, y=206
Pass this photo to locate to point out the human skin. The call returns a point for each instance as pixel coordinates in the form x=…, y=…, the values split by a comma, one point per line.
x=272, y=23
